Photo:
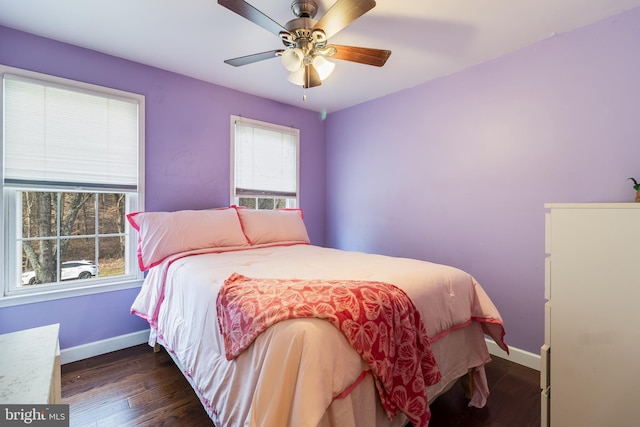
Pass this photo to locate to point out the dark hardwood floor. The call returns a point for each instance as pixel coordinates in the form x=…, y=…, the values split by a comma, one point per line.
x=137, y=387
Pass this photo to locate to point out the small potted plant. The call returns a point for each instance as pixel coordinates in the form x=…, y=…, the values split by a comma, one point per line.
x=636, y=187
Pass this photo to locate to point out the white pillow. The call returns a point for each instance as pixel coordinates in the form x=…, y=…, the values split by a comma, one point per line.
x=162, y=234
x=273, y=226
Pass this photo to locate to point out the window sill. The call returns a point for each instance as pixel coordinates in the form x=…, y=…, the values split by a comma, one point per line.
x=13, y=300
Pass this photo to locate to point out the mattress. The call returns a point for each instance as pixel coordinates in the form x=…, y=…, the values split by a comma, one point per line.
x=303, y=372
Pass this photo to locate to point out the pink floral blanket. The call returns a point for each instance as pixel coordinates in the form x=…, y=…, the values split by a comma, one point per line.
x=378, y=319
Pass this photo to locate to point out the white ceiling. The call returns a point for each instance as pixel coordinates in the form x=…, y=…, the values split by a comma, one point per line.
x=428, y=38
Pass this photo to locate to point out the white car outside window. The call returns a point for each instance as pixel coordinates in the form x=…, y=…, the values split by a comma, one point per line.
x=70, y=270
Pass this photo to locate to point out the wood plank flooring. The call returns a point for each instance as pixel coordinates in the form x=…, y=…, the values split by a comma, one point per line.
x=137, y=387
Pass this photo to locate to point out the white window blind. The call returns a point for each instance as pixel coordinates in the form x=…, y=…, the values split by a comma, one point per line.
x=58, y=135
x=266, y=159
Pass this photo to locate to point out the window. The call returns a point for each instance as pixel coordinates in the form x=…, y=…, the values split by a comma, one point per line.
x=72, y=170
x=264, y=164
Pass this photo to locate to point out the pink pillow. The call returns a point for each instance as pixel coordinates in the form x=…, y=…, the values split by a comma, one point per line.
x=273, y=226
x=161, y=234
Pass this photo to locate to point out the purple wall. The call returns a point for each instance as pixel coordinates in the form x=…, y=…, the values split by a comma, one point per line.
x=187, y=162
x=457, y=170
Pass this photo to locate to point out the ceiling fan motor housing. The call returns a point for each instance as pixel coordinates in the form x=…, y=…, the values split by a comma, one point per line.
x=301, y=33
x=304, y=8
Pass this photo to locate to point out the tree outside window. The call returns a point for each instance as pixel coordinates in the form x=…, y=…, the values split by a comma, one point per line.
x=60, y=227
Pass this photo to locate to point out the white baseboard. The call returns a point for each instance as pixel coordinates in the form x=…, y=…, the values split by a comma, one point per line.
x=97, y=348
x=521, y=357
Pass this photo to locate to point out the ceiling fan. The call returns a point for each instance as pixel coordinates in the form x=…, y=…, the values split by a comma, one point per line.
x=306, y=40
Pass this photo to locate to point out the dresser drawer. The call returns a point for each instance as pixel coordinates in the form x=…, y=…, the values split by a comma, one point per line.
x=547, y=232
x=545, y=408
x=545, y=363
x=547, y=278
x=547, y=323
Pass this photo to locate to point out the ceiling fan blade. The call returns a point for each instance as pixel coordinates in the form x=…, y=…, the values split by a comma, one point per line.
x=363, y=55
x=311, y=77
x=343, y=13
x=249, y=12
x=250, y=59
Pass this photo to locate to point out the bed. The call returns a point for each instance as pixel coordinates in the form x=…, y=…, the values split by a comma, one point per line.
x=312, y=366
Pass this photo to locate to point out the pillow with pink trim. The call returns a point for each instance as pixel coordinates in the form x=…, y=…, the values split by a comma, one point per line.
x=162, y=234
x=273, y=226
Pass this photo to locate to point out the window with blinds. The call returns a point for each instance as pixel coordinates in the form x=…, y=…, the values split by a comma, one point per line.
x=264, y=164
x=61, y=135
x=72, y=171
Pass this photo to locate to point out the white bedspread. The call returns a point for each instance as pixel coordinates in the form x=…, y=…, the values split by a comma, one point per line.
x=292, y=372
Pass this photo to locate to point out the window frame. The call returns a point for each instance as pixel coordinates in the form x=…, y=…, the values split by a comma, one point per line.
x=234, y=200
x=10, y=259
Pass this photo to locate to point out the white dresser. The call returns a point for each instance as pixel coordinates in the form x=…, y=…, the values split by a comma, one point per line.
x=590, y=374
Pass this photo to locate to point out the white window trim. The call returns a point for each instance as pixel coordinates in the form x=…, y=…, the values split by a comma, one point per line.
x=258, y=123
x=132, y=280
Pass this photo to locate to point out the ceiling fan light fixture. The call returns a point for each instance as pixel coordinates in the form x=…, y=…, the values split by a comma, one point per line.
x=297, y=77
x=292, y=59
x=324, y=67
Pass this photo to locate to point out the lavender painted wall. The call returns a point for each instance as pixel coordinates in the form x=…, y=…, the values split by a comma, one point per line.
x=457, y=170
x=187, y=162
